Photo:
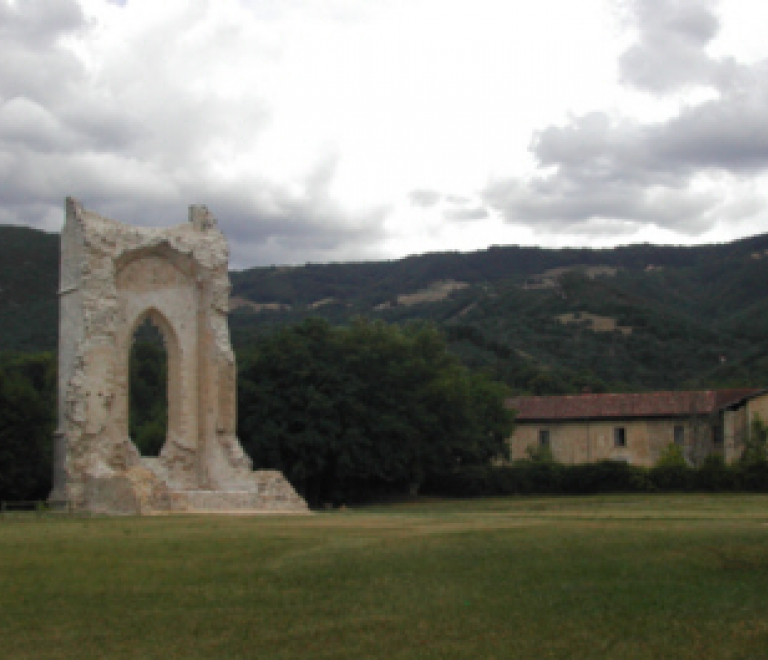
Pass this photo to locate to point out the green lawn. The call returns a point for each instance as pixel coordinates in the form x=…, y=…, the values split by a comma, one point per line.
x=622, y=577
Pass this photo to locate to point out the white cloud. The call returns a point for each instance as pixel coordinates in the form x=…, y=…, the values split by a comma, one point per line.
x=330, y=129
x=670, y=51
x=677, y=173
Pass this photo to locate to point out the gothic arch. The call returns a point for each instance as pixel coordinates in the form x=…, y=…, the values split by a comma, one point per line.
x=113, y=277
x=173, y=376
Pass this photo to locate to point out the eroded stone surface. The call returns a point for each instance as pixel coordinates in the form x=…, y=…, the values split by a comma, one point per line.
x=113, y=277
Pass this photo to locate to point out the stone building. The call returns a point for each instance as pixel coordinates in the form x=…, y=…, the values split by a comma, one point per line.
x=636, y=427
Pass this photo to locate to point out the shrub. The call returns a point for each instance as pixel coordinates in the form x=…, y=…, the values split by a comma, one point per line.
x=472, y=481
x=539, y=454
x=671, y=477
x=603, y=477
x=527, y=477
x=671, y=456
x=751, y=477
x=714, y=475
x=755, y=453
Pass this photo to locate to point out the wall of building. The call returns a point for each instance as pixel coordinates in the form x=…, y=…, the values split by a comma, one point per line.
x=589, y=441
x=735, y=429
x=737, y=424
x=758, y=406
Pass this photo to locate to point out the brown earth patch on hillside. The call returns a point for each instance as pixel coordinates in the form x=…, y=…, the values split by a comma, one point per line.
x=593, y=322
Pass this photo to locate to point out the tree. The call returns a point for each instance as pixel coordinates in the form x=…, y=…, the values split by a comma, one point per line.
x=540, y=453
x=365, y=410
x=26, y=425
x=672, y=456
x=755, y=453
x=753, y=462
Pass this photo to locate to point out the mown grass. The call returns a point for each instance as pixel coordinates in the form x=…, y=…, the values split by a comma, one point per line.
x=601, y=577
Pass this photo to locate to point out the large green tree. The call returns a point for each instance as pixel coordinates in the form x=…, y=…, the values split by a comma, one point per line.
x=26, y=425
x=365, y=410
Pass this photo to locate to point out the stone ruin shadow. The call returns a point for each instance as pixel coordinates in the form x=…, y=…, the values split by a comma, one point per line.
x=114, y=277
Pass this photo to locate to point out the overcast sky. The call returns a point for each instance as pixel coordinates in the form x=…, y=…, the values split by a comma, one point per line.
x=337, y=130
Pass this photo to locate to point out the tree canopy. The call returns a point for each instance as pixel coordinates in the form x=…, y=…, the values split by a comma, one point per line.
x=26, y=425
x=365, y=410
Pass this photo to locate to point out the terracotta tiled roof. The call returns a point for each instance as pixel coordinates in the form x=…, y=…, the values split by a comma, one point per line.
x=622, y=406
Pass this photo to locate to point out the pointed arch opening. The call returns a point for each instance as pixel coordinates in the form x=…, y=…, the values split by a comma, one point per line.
x=151, y=363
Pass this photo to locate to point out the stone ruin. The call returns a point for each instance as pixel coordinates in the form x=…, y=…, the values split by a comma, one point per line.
x=113, y=278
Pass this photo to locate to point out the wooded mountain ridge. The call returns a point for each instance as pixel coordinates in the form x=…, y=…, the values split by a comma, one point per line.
x=543, y=320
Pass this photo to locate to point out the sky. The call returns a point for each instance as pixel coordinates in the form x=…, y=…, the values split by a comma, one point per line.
x=348, y=130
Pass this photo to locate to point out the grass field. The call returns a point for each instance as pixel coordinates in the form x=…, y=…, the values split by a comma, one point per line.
x=597, y=577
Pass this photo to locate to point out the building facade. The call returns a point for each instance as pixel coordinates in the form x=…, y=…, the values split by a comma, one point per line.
x=636, y=427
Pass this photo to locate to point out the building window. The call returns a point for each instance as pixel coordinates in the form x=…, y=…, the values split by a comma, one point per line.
x=620, y=436
x=679, y=435
x=543, y=437
x=717, y=435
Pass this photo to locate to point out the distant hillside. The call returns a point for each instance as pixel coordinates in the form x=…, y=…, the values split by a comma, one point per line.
x=376, y=281
x=544, y=320
x=29, y=277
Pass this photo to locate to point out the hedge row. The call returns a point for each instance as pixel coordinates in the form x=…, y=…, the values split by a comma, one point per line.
x=532, y=477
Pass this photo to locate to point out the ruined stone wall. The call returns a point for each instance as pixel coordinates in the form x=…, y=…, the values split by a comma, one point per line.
x=114, y=276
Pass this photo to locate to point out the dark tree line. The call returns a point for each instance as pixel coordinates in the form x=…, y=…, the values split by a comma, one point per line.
x=365, y=411
x=359, y=412
x=27, y=401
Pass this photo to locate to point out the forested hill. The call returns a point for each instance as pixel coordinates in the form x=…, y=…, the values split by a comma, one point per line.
x=636, y=317
x=544, y=320
x=29, y=278
x=376, y=282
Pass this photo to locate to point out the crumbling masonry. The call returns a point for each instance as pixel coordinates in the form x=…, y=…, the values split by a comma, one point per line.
x=114, y=277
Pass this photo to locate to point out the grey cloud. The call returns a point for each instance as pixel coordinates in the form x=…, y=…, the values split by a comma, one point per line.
x=26, y=123
x=591, y=147
x=50, y=103
x=38, y=21
x=424, y=198
x=459, y=200
x=670, y=51
x=102, y=124
x=596, y=169
x=634, y=172
x=468, y=213
x=116, y=143
x=264, y=222
x=276, y=226
x=559, y=204
x=33, y=62
x=273, y=227
x=459, y=207
x=298, y=233
x=730, y=133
